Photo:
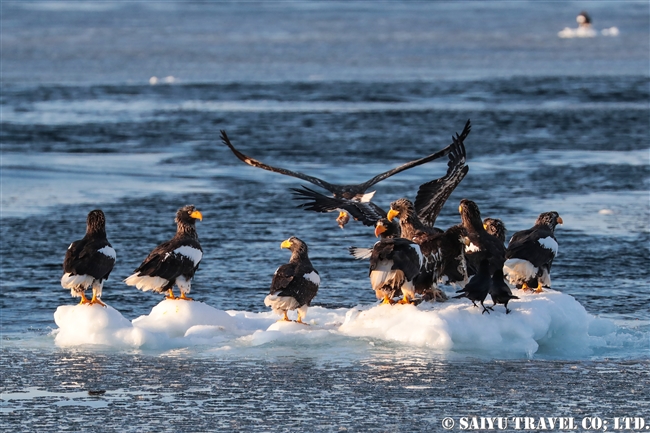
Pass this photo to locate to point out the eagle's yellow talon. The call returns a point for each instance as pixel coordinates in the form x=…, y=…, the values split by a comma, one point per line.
x=96, y=300
x=285, y=318
x=404, y=300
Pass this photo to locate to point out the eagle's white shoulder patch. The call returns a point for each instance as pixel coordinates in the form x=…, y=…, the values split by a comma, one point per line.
x=549, y=243
x=191, y=253
x=108, y=252
x=313, y=277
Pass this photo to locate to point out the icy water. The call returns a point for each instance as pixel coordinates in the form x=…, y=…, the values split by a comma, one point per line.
x=342, y=91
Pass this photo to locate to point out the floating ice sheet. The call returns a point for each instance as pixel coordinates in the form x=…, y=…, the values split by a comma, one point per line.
x=551, y=323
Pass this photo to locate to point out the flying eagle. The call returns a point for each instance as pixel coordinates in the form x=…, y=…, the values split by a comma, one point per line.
x=352, y=192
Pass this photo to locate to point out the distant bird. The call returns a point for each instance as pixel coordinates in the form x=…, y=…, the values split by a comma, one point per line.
x=294, y=284
x=174, y=261
x=479, y=286
x=351, y=192
x=499, y=291
x=394, y=263
x=89, y=261
x=530, y=254
x=482, y=245
x=583, y=19
x=495, y=227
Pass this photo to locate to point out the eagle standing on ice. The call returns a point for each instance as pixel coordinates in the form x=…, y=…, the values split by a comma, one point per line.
x=530, y=254
x=395, y=263
x=294, y=284
x=174, y=261
x=89, y=261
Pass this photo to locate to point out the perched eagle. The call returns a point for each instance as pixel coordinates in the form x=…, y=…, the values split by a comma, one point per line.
x=89, y=261
x=485, y=248
x=496, y=228
x=395, y=263
x=482, y=245
x=174, y=261
x=530, y=254
x=352, y=192
x=294, y=284
x=443, y=250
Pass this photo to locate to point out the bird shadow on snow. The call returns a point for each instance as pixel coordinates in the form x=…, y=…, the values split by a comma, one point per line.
x=549, y=324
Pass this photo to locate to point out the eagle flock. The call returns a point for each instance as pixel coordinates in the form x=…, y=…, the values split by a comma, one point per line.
x=407, y=264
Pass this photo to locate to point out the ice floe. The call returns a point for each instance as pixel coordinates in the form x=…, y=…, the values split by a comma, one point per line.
x=550, y=323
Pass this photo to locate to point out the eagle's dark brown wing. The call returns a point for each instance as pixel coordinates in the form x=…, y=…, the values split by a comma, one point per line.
x=354, y=191
x=433, y=195
x=255, y=163
x=415, y=163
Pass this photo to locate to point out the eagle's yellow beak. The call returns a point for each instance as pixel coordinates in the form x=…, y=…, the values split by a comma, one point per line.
x=379, y=230
x=559, y=220
x=460, y=208
x=286, y=244
x=392, y=214
x=197, y=215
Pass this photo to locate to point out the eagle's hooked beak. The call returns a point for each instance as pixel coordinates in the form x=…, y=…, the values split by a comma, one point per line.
x=196, y=215
x=392, y=214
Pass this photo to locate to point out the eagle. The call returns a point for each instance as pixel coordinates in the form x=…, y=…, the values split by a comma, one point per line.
x=530, y=254
x=294, y=284
x=89, y=261
x=173, y=262
x=348, y=192
x=443, y=249
x=496, y=228
x=395, y=263
x=482, y=245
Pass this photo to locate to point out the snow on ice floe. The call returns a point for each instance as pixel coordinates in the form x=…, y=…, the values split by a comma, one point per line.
x=551, y=323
